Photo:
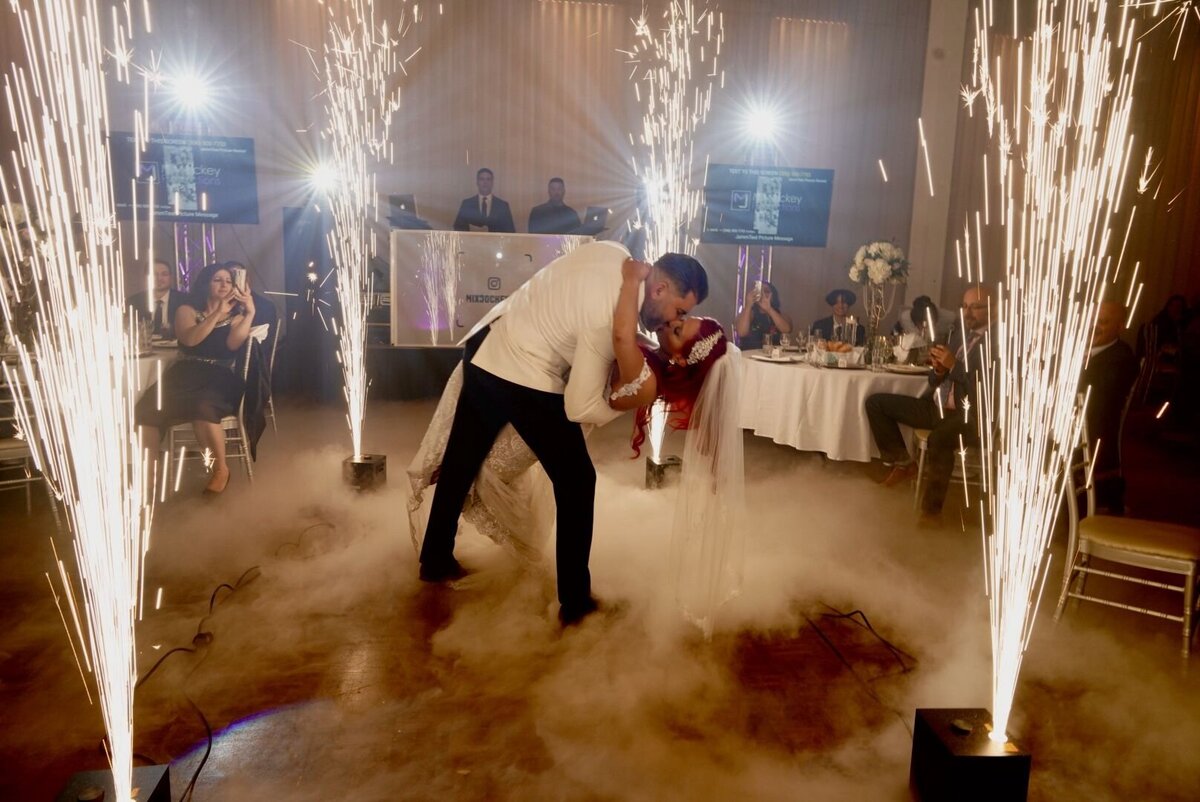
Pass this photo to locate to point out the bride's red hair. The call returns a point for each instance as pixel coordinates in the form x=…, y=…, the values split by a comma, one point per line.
x=679, y=385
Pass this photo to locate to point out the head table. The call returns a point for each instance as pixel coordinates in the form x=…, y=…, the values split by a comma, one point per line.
x=817, y=409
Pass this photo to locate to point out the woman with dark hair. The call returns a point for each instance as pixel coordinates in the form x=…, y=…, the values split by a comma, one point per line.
x=202, y=386
x=760, y=317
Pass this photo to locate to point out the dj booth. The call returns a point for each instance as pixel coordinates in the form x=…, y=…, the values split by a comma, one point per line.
x=444, y=282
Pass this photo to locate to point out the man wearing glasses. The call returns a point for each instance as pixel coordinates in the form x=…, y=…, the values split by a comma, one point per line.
x=947, y=408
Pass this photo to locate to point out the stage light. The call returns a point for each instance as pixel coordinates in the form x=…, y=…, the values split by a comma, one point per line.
x=761, y=122
x=323, y=177
x=191, y=91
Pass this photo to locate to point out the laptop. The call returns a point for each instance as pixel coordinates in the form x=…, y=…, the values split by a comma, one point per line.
x=595, y=220
x=403, y=204
x=404, y=213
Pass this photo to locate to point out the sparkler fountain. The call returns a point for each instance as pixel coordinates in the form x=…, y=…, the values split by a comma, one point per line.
x=75, y=376
x=1060, y=146
x=361, y=61
x=673, y=74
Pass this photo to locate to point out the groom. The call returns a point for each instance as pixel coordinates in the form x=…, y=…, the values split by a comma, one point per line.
x=541, y=360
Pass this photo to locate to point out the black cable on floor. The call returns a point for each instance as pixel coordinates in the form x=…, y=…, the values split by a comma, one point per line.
x=860, y=618
x=201, y=638
x=300, y=540
x=864, y=683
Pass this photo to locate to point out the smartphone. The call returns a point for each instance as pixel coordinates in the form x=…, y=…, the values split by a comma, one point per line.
x=239, y=278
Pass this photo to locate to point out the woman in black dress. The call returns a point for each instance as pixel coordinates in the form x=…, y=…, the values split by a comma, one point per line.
x=203, y=385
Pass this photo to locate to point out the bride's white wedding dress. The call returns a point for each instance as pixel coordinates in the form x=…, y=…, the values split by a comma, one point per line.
x=512, y=500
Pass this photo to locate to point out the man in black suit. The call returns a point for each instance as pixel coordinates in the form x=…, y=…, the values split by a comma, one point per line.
x=1110, y=372
x=484, y=211
x=554, y=216
x=160, y=304
x=947, y=408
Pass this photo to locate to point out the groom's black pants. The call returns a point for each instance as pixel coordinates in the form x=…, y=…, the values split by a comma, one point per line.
x=485, y=405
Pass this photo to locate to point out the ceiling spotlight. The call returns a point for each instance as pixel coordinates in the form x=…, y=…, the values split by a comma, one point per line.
x=323, y=177
x=761, y=122
x=191, y=91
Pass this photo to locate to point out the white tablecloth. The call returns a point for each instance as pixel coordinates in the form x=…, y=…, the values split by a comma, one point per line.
x=817, y=409
x=148, y=366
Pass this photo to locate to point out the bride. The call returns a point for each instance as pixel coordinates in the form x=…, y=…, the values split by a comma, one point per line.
x=692, y=372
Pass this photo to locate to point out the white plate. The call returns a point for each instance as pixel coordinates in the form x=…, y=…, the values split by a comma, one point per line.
x=907, y=370
x=784, y=358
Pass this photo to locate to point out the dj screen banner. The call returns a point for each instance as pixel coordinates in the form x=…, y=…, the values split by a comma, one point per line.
x=195, y=179
x=753, y=205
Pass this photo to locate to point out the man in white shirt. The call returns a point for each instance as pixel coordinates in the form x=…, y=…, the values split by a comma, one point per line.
x=542, y=360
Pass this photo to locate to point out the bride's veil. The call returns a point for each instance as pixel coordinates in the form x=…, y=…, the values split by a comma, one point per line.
x=707, y=539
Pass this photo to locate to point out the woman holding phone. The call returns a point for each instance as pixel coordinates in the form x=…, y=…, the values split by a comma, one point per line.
x=761, y=317
x=202, y=386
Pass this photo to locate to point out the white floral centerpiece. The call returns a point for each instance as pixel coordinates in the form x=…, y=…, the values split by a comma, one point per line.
x=879, y=263
x=876, y=265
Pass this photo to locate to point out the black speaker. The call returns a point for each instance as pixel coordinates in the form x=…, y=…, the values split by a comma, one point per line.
x=954, y=759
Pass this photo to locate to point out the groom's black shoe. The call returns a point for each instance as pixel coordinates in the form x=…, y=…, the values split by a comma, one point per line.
x=442, y=571
x=571, y=615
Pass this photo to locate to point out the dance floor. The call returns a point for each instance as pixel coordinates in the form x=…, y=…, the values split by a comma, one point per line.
x=329, y=672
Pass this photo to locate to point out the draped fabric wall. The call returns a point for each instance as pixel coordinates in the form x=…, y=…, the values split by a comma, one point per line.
x=1166, y=115
x=535, y=88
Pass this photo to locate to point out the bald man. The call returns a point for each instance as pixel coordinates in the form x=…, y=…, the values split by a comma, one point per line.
x=947, y=408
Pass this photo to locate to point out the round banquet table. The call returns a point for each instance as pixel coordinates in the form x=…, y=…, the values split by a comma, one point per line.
x=817, y=409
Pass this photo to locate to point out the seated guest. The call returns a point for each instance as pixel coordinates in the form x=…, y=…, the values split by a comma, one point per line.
x=940, y=409
x=203, y=385
x=554, y=216
x=760, y=316
x=1168, y=325
x=915, y=321
x=839, y=302
x=484, y=212
x=166, y=301
x=264, y=309
x=1110, y=372
x=265, y=313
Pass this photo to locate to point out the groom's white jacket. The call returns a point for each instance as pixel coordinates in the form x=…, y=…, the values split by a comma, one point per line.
x=555, y=332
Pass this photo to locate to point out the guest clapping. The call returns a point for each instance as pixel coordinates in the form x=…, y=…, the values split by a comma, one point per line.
x=761, y=316
x=202, y=386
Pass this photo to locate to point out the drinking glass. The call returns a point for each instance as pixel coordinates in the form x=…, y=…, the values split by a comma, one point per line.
x=785, y=340
x=879, y=352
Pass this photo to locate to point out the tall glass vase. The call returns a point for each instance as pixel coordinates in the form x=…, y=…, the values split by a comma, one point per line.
x=877, y=307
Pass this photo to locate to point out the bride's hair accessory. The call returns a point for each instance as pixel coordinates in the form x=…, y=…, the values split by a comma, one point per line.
x=703, y=348
x=634, y=386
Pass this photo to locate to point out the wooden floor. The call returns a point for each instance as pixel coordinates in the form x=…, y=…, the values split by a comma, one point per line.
x=326, y=671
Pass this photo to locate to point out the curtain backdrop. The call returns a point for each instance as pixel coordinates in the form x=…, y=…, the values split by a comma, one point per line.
x=1165, y=238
